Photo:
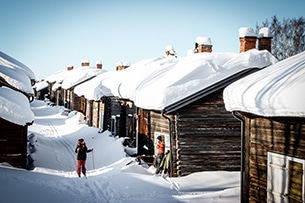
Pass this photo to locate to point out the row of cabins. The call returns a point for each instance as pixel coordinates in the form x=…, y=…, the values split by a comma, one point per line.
x=16, y=93
x=199, y=132
x=205, y=133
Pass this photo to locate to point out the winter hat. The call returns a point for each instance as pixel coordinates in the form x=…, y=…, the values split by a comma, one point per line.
x=81, y=140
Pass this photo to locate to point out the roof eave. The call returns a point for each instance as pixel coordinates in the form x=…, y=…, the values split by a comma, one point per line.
x=208, y=90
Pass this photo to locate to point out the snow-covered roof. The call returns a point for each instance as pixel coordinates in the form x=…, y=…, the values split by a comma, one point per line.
x=195, y=73
x=40, y=85
x=94, y=89
x=156, y=83
x=69, y=78
x=15, y=107
x=10, y=62
x=58, y=76
x=276, y=91
x=16, y=78
x=80, y=74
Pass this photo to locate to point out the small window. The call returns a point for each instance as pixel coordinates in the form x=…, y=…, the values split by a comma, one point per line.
x=285, y=180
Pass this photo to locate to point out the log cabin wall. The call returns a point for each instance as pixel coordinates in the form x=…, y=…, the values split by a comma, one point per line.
x=95, y=114
x=59, y=99
x=144, y=132
x=13, y=144
x=51, y=92
x=88, y=112
x=107, y=113
x=82, y=103
x=98, y=107
x=207, y=137
x=101, y=115
x=75, y=101
x=281, y=135
x=159, y=125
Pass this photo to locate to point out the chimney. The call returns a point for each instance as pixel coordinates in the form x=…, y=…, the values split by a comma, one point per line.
x=247, y=39
x=69, y=67
x=264, y=39
x=125, y=64
x=85, y=63
x=119, y=66
x=99, y=65
x=203, y=44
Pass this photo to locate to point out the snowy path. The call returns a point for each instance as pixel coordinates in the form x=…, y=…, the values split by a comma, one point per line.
x=54, y=178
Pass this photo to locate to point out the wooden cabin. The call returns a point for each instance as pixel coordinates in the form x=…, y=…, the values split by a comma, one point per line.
x=199, y=132
x=13, y=143
x=270, y=106
x=273, y=158
x=41, y=90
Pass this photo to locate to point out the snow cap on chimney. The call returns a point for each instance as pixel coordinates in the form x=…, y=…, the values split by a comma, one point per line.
x=264, y=32
x=204, y=41
x=246, y=32
x=85, y=63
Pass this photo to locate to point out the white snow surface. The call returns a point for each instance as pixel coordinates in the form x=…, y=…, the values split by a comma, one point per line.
x=40, y=85
x=275, y=91
x=80, y=74
x=9, y=61
x=246, y=32
x=16, y=78
x=15, y=107
x=110, y=177
x=158, y=82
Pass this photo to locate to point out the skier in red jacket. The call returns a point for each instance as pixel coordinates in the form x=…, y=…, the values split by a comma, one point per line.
x=81, y=150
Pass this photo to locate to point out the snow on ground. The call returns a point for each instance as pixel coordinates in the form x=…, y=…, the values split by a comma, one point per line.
x=112, y=176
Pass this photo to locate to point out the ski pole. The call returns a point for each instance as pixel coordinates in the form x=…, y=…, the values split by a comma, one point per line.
x=93, y=165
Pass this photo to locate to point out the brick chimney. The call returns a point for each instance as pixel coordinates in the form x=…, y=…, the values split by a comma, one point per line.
x=203, y=44
x=85, y=63
x=119, y=66
x=247, y=39
x=125, y=64
x=69, y=67
x=99, y=65
x=264, y=39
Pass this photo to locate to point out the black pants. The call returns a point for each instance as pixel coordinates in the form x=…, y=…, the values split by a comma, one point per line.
x=158, y=162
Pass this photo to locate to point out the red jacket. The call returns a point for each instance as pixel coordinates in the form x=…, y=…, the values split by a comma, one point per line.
x=161, y=147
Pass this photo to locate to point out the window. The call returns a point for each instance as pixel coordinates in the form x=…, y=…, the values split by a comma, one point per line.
x=285, y=178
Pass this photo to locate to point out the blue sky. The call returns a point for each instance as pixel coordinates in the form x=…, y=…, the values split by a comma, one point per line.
x=48, y=35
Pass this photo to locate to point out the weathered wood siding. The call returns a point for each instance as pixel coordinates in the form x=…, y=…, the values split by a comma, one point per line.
x=98, y=107
x=82, y=104
x=207, y=137
x=145, y=132
x=281, y=135
x=40, y=94
x=117, y=116
x=75, y=101
x=13, y=143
